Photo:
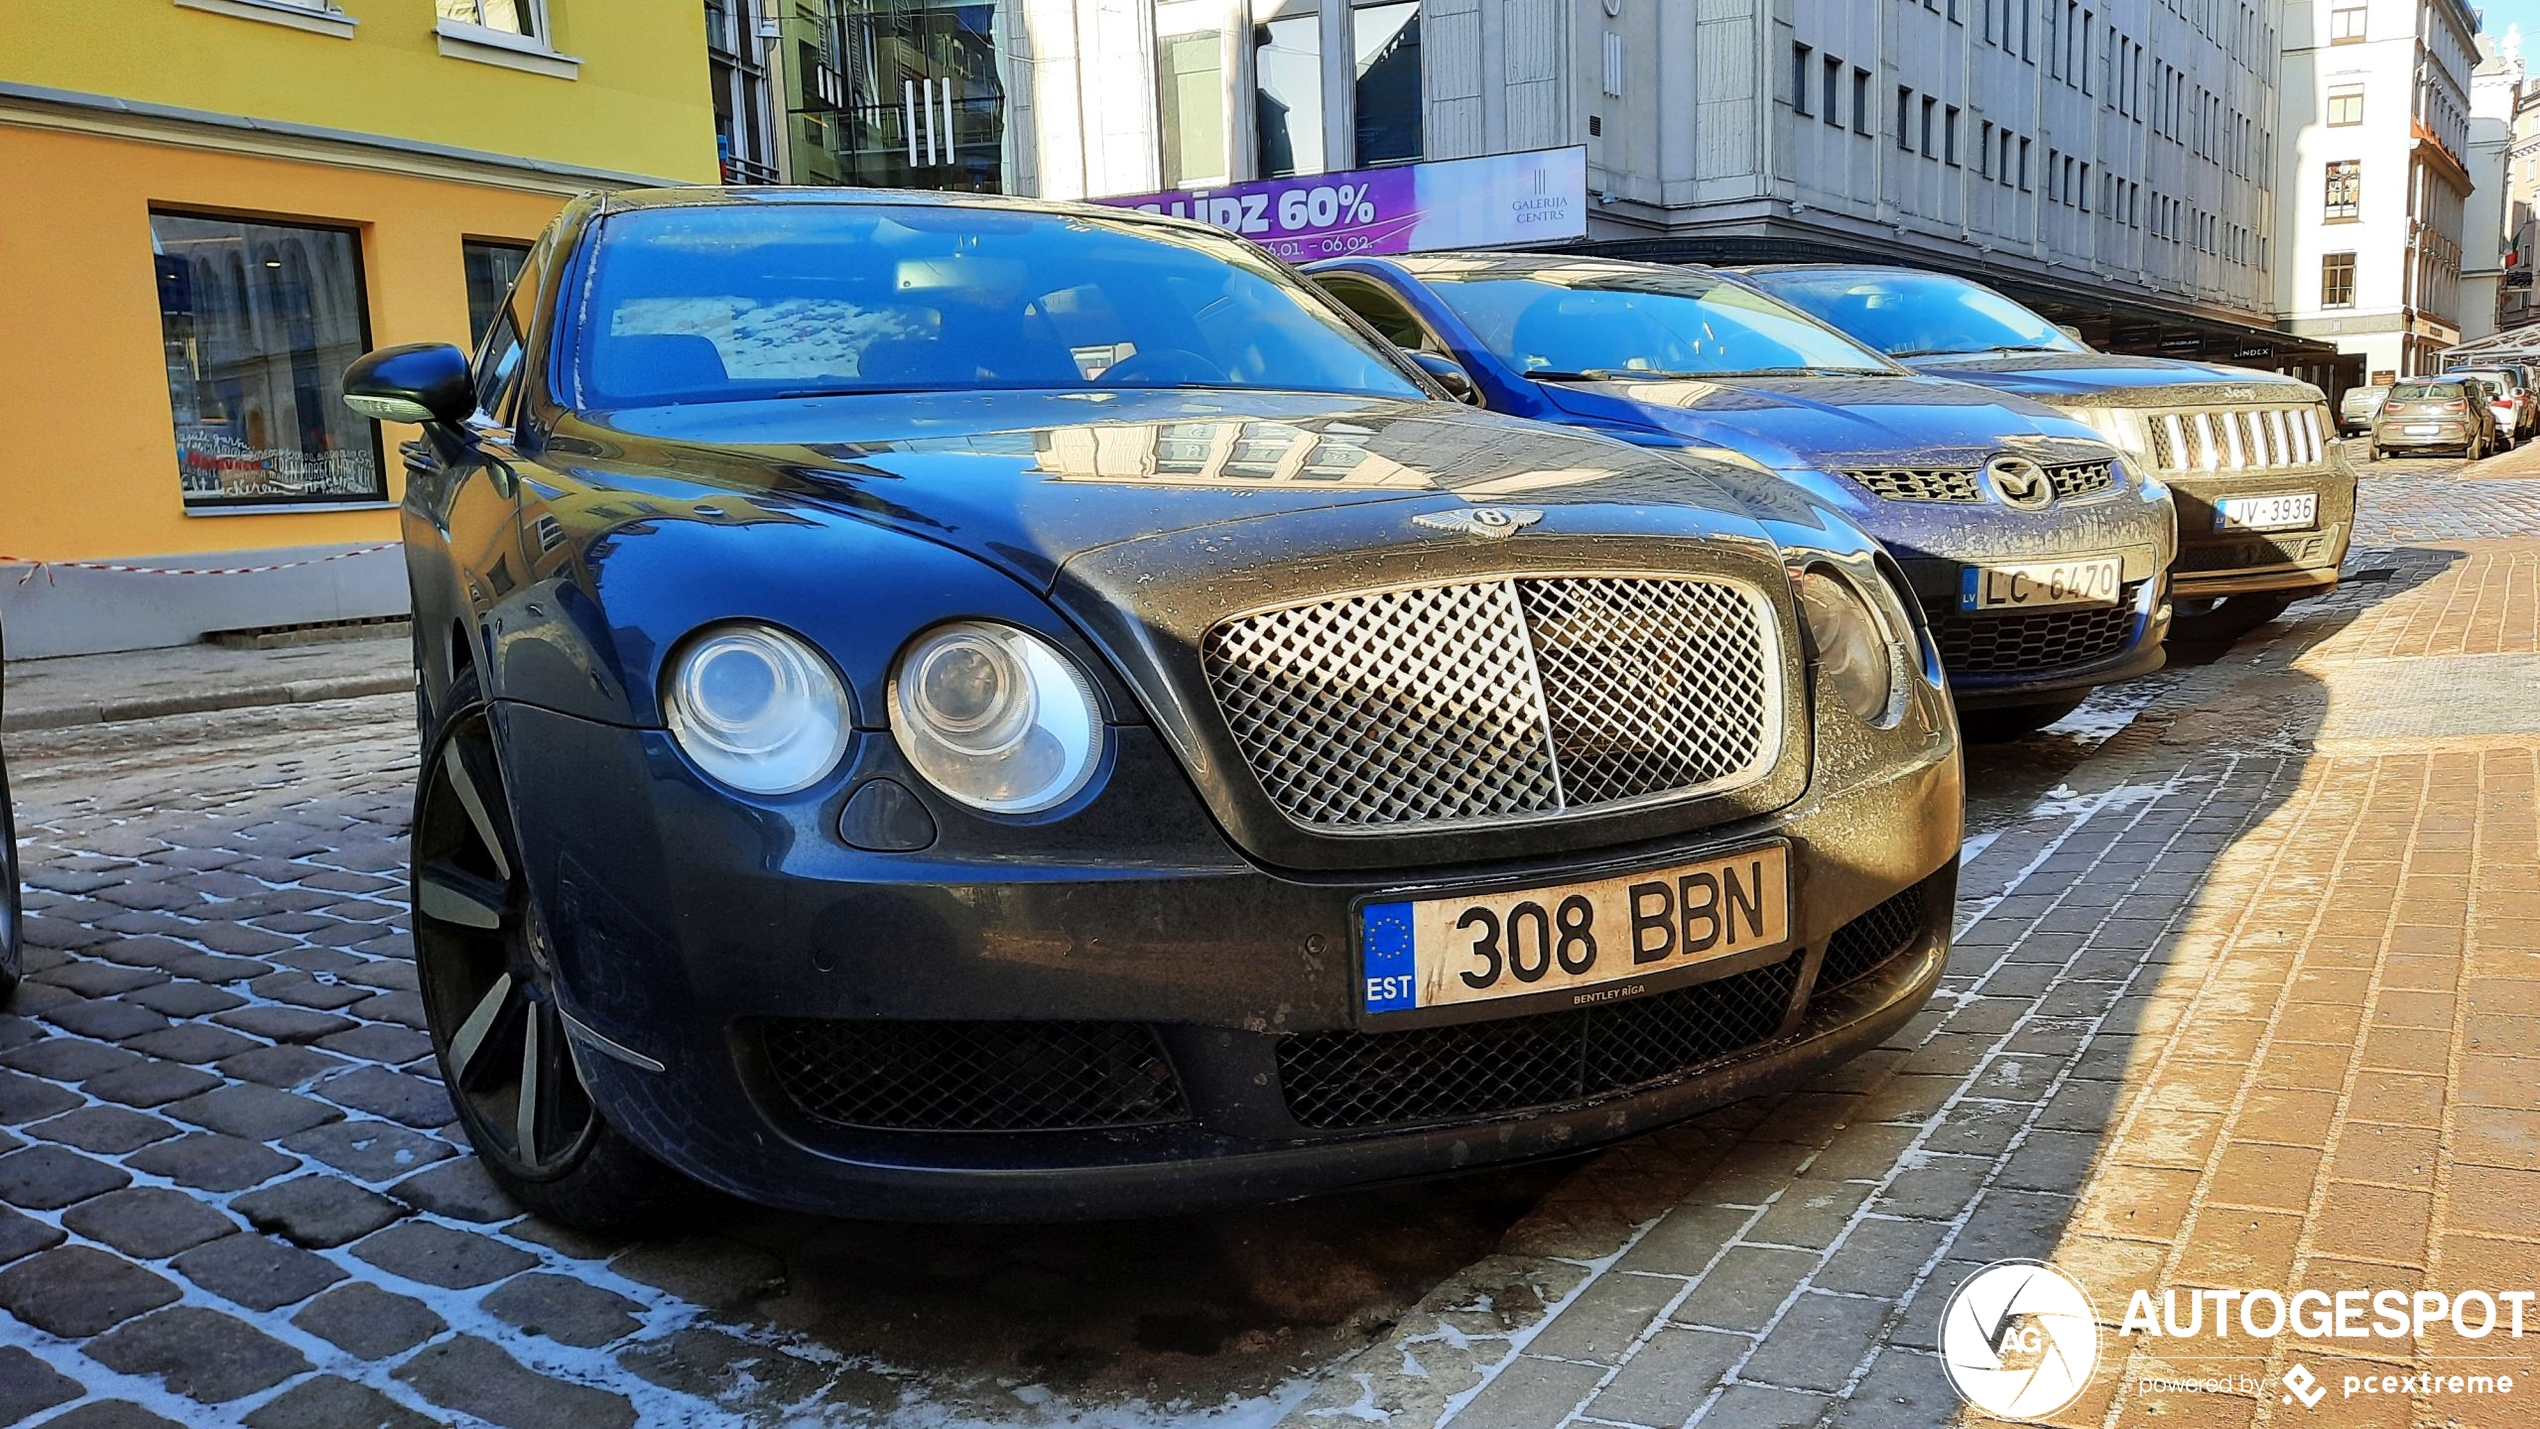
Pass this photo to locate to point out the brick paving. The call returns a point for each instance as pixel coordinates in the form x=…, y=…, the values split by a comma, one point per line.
x=2248, y=1001
x=2250, y=1006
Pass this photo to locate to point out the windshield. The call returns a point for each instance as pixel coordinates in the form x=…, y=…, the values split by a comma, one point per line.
x=2494, y=378
x=1595, y=321
x=1905, y=314
x=732, y=302
x=2426, y=392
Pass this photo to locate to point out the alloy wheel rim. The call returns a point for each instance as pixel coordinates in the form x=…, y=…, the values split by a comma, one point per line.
x=488, y=986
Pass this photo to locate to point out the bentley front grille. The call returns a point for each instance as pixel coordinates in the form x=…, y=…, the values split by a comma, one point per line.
x=2237, y=439
x=1509, y=699
x=1864, y=945
x=1998, y=642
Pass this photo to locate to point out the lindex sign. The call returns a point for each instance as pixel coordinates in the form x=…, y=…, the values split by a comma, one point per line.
x=1496, y=201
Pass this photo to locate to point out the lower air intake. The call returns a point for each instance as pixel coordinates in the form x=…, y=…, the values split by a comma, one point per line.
x=974, y=1076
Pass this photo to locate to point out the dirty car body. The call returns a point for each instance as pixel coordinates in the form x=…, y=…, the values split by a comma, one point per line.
x=2266, y=500
x=1399, y=788
x=1967, y=487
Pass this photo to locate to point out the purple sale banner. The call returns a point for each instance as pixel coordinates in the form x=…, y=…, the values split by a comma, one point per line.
x=1489, y=202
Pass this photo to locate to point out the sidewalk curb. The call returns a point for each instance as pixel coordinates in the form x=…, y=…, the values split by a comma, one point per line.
x=294, y=692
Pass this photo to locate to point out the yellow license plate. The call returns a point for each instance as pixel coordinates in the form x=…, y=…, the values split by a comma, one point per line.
x=1581, y=938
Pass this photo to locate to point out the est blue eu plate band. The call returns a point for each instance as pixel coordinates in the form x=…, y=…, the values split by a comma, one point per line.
x=1384, y=935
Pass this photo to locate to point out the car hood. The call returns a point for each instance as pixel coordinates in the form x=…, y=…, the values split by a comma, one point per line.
x=1030, y=481
x=2110, y=379
x=1833, y=422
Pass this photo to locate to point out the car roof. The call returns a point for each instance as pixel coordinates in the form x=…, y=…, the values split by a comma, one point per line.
x=734, y=196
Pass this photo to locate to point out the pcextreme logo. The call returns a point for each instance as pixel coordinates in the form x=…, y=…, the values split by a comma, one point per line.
x=2019, y=1339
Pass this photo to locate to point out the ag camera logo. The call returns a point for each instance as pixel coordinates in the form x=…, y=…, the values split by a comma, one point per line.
x=2019, y=1339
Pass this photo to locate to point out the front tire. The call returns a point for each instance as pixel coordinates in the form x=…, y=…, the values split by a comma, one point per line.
x=488, y=985
x=2004, y=723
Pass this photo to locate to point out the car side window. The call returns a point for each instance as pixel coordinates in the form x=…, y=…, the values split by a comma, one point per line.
x=498, y=362
x=1383, y=312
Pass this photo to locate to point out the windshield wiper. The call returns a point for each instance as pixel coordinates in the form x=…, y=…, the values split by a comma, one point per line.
x=1808, y=372
x=1977, y=351
x=1624, y=374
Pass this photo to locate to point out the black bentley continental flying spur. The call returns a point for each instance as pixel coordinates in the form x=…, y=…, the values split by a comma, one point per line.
x=941, y=707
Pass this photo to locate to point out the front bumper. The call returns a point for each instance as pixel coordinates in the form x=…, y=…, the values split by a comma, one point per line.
x=2000, y=658
x=685, y=921
x=2215, y=562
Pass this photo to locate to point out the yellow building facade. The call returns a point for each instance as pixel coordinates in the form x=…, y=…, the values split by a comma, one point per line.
x=216, y=204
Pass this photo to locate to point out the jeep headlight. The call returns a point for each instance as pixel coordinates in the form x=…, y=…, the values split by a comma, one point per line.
x=2124, y=429
x=1859, y=640
x=996, y=717
x=757, y=709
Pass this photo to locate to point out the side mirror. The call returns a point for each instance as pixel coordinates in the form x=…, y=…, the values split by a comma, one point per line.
x=1447, y=373
x=418, y=382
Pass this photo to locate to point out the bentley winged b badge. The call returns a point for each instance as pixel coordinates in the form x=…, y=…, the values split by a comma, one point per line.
x=1496, y=523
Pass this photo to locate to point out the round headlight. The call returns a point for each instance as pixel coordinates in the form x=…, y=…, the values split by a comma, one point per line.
x=996, y=717
x=1857, y=646
x=757, y=709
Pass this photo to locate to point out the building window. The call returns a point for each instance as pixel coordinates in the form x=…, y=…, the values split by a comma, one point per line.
x=2024, y=151
x=1800, y=76
x=2337, y=280
x=1984, y=148
x=490, y=267
x=1860, y=101
x=1387, y=38
x=1834, y=92
x=2346, y=105
x=2344, y=196
x=1287, y=97
x=259, y=321
x=1191, y=85
x=2346, y=24
x=1905, y=118
x=511, y=17
x=1949, y=136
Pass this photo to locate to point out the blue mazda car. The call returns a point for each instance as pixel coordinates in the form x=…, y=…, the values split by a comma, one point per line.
x=2040, y=555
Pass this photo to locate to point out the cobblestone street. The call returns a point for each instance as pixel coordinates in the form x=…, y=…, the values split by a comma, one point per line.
x=2244, y=996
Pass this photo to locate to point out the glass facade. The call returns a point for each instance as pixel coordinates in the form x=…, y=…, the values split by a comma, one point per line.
x=490, y=267
x=259, y=321
x=1191, y=89
x=896, y=94
x=1287, y=66
x=1387, y=38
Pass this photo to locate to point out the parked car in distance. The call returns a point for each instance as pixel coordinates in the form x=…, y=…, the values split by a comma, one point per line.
x=2509, y=399
x=2266, y=501
x=2443, y=414
x=2357, y=408
x=2038, y=557
x=942, y=706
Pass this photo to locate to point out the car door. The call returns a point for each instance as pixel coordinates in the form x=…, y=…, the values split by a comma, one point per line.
x=469, y=493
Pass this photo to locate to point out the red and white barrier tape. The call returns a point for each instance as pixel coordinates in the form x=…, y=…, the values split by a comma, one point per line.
x=35, y=567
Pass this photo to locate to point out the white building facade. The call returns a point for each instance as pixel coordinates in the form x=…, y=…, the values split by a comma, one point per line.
x=2495, y=94
x=2376, y=105
x=2155, y=172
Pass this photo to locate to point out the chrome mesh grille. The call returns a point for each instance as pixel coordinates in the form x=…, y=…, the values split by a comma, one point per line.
x=1500, y=699
x=1920, y=483
x=2237, y=438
